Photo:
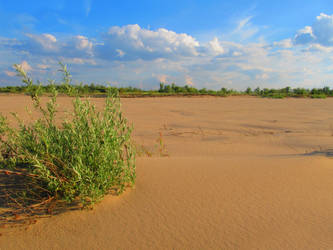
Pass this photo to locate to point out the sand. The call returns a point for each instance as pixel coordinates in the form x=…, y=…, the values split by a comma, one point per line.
x=235, y=173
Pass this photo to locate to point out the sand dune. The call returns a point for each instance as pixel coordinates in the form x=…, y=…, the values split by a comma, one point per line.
x=241, y=173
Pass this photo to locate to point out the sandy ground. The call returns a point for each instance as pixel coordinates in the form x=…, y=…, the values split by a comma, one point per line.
x=241, y=173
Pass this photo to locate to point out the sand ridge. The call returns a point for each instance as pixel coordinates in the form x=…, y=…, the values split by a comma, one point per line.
x=242, y=173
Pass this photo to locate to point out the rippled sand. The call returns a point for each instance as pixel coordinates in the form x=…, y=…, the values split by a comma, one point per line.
x=232, y=173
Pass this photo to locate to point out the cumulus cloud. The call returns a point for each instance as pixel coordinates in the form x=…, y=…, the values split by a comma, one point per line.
x=126, y=43
x=231, y=49
x=132, y=42
x=49, y=45
x=82, y=43
x=305, y=36
x=37, y=44
x=77, y=46
x=214, y=47
x=321, y=32
x=132, y=55
x=43, y=42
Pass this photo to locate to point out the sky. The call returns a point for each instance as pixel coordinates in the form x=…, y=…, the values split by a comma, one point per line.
x=206, y=44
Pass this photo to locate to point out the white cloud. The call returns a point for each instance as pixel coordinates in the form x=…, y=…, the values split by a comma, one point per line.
x=77, y=46
x=44, y=42
x=321, y=32
x=82, y=43
x=231, y=49
x=49, y=45
x=305, y=36
x=215, y=47
x=135, y=56
x=136, y=42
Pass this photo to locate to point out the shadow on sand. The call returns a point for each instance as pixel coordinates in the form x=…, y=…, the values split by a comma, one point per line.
x=19, y=209
x=323, y=152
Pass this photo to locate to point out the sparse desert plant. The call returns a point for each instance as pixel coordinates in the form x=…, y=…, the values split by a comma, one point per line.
x=89, y=155
x=161, y=146
x=159, y=149
x=142, y=150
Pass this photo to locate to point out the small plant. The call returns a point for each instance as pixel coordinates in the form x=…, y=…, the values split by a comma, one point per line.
x=143, y=151
x=161, y=146
x=158, y=149
x=89, y=155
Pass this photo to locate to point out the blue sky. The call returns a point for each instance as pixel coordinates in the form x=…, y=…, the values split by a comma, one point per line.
x=212, y=44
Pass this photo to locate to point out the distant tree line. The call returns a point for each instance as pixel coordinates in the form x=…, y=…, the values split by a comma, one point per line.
x=265, y=92
x=173, y=89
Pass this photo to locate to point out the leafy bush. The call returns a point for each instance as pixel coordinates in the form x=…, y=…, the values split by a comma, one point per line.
x=318, y=96
x=87, y=156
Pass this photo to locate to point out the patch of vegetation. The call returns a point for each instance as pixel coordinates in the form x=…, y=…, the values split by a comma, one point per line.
x=96, y=90
x=159, y=149
x=89, y=155
x=318, y=96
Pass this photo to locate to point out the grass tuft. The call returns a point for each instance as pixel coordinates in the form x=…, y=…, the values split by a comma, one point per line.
x=89, y=155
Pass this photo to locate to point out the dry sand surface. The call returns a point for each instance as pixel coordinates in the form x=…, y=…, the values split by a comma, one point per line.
x=241, y=173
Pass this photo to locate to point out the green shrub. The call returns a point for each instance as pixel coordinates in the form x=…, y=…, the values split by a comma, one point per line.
x=318, y=96
x=275, y=95
x=87, y=156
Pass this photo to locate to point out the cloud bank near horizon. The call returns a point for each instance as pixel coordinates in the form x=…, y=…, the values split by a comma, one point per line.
x=132, y=55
